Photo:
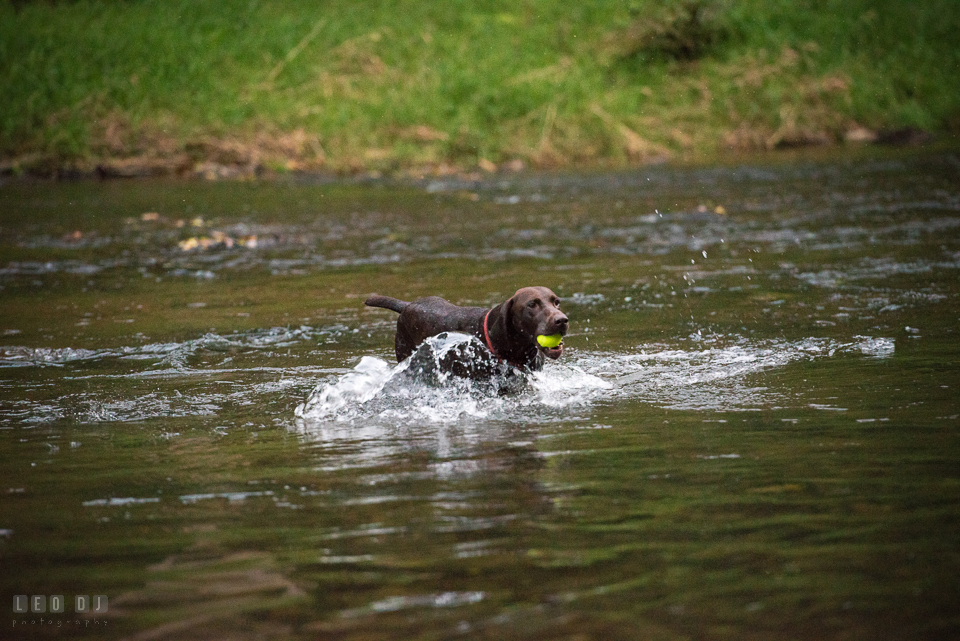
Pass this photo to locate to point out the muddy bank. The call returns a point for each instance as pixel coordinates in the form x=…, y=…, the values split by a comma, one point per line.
x=211, y=158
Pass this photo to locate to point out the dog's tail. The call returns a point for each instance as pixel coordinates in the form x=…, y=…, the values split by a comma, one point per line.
x=385, y=301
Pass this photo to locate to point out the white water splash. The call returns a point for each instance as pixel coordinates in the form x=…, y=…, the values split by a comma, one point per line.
x=422, y=388
x=722, y=377
x=375, y=396
x=355, y=388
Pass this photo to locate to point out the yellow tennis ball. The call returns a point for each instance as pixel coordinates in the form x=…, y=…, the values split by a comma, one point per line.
x=549, y=341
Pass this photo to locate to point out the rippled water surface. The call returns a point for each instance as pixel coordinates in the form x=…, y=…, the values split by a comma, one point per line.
x=753, y=433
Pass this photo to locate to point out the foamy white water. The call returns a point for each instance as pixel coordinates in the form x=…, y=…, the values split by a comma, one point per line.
x=419, y=389
x=724, y=377
x=725, y=373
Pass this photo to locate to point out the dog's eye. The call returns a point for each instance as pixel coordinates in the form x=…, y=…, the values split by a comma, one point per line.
x=532, y=304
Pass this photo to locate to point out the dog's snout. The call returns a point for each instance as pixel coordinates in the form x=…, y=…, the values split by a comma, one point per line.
x=561, y=322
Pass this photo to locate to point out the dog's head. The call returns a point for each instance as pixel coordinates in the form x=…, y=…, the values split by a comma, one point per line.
x=535, y=311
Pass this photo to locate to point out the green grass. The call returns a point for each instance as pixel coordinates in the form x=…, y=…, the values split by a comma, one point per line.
x=351, y=86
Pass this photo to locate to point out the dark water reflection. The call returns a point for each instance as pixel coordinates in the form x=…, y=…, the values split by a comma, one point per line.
x=753, y=433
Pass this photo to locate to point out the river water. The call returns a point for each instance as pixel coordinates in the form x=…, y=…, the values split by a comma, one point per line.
x=754, y=431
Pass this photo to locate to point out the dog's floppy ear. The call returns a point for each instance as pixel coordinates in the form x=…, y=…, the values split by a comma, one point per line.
x=506, y=312
x=507, y=309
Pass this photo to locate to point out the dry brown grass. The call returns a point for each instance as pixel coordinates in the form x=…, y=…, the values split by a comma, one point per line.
x=770, y=112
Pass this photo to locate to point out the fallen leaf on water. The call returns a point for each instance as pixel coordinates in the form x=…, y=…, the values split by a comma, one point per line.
x=217, y=239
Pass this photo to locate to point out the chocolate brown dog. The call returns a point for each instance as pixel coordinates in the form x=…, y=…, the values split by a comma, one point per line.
x=509, y=330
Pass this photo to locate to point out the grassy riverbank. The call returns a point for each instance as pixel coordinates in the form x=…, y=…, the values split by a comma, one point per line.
x=220, y=88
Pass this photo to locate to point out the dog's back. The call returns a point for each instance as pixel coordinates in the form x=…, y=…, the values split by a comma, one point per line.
x=426, y=317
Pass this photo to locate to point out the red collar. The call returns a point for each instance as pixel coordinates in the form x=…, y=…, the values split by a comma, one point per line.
x=486, y=335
